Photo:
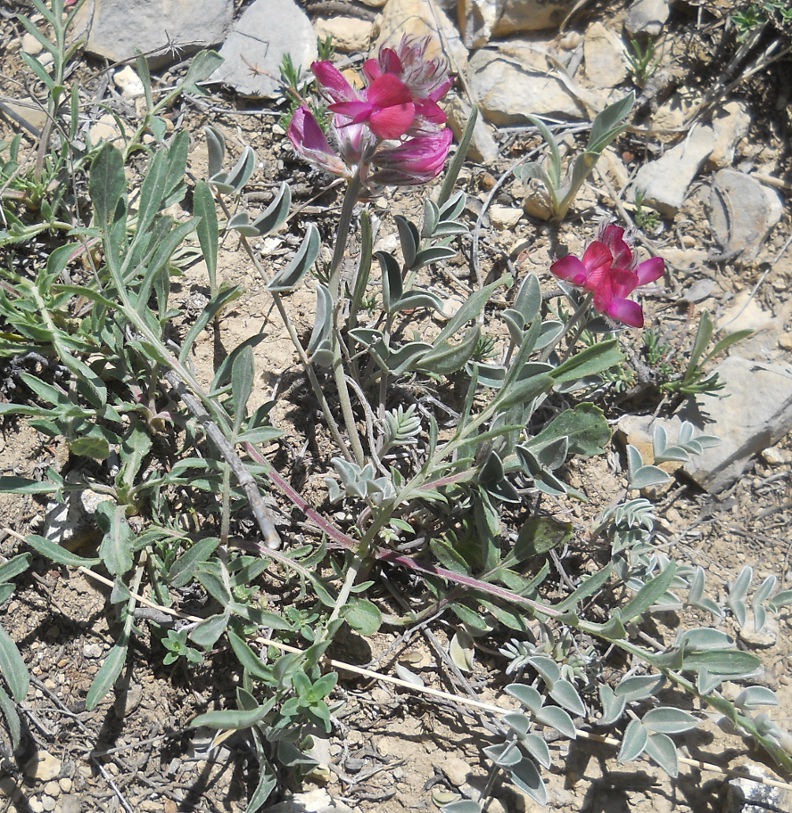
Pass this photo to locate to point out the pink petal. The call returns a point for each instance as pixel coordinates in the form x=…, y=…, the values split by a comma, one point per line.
x=333, y=82
x=569, y=268
x=431, y=111
x=597, y=260
x=623, y=282
x=392, y=122
x=388, y=91
x=356, y=111
x=626, y=311
x=305, y=132
x=650, y=270
x=442, y=89
x=372, y=69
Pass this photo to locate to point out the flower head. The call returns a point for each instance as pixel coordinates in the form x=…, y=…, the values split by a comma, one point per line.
x=394, y=124
x=610, y=271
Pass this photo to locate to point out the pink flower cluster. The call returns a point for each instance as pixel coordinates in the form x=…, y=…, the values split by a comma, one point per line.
x=609, y=270
x=393, y=129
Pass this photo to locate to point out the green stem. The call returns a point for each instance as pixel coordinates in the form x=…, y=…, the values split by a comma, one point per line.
x=575, y=318
x=334, y=285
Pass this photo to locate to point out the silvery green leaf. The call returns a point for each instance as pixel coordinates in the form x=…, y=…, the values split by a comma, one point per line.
x=489, y=375
x=609, y=123
x=202, y=66
x=559, y=720
x=738, y=592
x=526, y=776
x=323, y=318
x=231, y=720
x=515, y=324
x=108, y=673
x=233, y=181
x=518, y=723
x=403, y=673
x=206, y=633
x=392, y=288
x=585, y=428
x=781, y=599
x=528, y=301
x=697, y=585
x=527, y=695
x=13, y=667
x=612, y=705
x=759, y=618
x=454, y=206
x=504, y=755
x=13, y=723
x=752, y=697
x=431, y=218
x=215, y=144
x=548, y=333
x=634, y=742
x=668, y=720
x=704, y=638
x=409, y=239
x=462, y=806
x=565, y=694
x=433, y=254
x=547, y=668
x=731, y=664
x=647, y=595
x=639, y=687
x=445, y=358
x=663, y=751
x=275, y=214
x=289, y=277
x=764, y=591
x=462, y=651
x=242, y=374
x=706, y=683
x=588, y=362
x=537, y=749
x=552, y=453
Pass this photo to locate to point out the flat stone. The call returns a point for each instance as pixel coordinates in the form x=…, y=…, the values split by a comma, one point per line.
x=745, y=423
x=31, y=45
x=42, y=767
x=504, y=217
x=314, y=801
x=422, y=18
x=647, y=17
x=665, y=181
x=743, y=211
x=163, y=30
x=25, y=111
x=70, y=804
x=254, y=50
x=456, y=770
x=730, y=124
x=605, y=66
x=507, y=90
x=482, y=20
x=349, y=34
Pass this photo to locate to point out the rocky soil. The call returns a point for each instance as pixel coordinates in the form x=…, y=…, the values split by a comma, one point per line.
x=709, y=152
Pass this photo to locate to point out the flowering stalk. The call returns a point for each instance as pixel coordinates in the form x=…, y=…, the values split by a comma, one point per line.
x=391, y=133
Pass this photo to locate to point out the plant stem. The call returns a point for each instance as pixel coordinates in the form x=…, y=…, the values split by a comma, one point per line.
x=574, y=319
x=334, y=285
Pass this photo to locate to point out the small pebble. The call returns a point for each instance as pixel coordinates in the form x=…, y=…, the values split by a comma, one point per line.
x=52, y=789
x=773, y=456
x=48, y=803
x=36, y=806
x=93, y=650
x=456, y=770
x=65, y=784
x=30, y=45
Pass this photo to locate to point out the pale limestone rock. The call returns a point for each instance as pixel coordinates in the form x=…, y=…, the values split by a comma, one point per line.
x=743, y=211
x=28, y=112
x=731, y=124
x=482, y=20
x=42, y=767
x=350, y=34
x=422, y=18
x=254, y=50
x=31, y=45
x=164, y=30
x=755, y=414
x=128, y=82
x=604, y=56
x=665, y=181
x=483, y=148
x=647, y=17
x=507, y=90
x=504, y=217
x=456, y=770
x=105, y=128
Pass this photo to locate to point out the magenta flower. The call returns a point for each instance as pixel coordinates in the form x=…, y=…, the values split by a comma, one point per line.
x=427, y=79
x=388, y=108
x=417, y=161
x=395, y=124
x=609, y=271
